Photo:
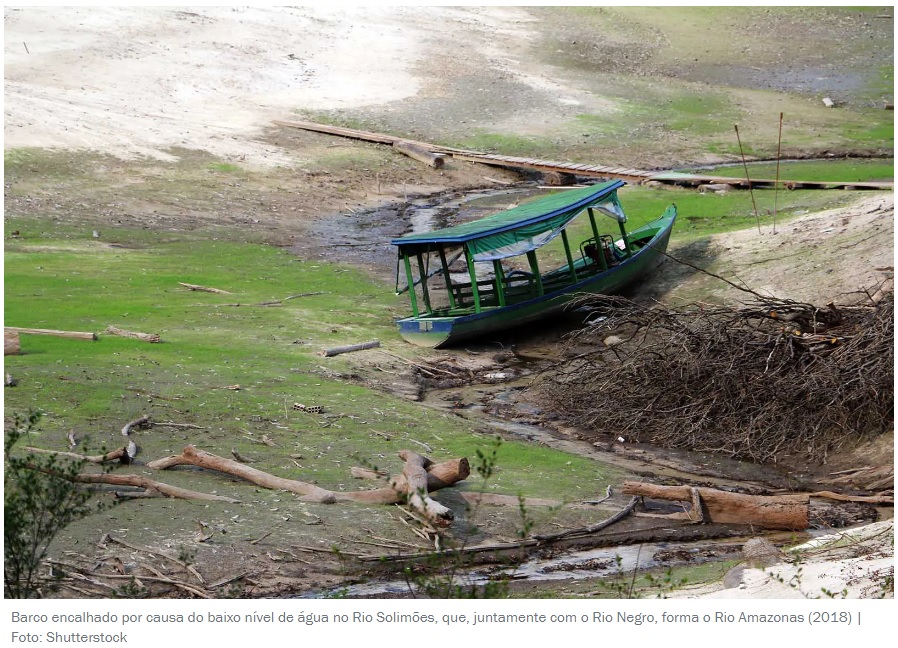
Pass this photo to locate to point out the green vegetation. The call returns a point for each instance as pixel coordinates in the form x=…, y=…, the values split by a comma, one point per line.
x=236, y=370
x=844, y=170
x=224, y=167
x=40, y=499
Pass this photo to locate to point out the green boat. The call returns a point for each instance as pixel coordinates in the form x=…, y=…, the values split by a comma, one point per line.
x=487, y=293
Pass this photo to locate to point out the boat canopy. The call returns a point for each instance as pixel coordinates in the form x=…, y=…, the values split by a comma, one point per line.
x=518, y=230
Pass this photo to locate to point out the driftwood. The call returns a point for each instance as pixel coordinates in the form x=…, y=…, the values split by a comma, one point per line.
x=327, y=353
x=131, y=448
x=416, y=488
x=276, y=302
x=152, y=488
x=367, y=473
x=559, y=178
x=205, y=289
x=73, y=335
x=10, y=343
x=519, y=547
x=860, y=499
x=145, y=337
x=114, y=455
x=401, y=489
x=416, y=152
x=785, y=512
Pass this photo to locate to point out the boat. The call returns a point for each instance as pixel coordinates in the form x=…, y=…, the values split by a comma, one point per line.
x=483, y=276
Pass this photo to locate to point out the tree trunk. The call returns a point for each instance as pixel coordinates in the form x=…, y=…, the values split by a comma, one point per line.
x=401, y=489
x=327, y=353
x=786, y=512
x=193, y=457
x=436, y=160
x=146, y=337
x=152, y=486
x=416, y=489
x=74, y=335
x=559, y=179
x=10, y=343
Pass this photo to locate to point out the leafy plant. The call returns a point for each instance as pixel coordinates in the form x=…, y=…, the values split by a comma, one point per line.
x=40, y=499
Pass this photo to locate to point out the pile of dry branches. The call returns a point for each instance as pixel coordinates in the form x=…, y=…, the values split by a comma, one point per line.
x=772, y=377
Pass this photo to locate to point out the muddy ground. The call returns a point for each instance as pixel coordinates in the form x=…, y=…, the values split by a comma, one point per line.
x=145, y=93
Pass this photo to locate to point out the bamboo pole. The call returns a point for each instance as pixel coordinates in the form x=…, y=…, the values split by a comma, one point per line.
x=776, y=183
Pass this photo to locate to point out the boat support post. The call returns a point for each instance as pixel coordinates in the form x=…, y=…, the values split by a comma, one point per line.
x=623, y=233
x=475, y=292
x=567, y=253
x=411, y=284
x=534, y=268
x=447, y=278
x=500, y=281
x=595, y=232
x=422, y=272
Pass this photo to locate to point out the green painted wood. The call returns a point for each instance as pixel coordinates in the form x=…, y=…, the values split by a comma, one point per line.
x=623, y=234
x=500, y=281
x=567, y=253
x=423, y=274
x=595, y=233
x=534, y=268
x=411, y=285
x=475, y=291
x=447, y=278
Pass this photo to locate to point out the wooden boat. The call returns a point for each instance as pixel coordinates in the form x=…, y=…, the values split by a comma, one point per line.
x=490, y=295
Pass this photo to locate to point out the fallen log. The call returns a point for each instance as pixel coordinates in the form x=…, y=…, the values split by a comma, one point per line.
x=152, y=487
x=367, y=136
x=192, y=457
x=114, y=455
x=73, y=335
x=217, y=291
x=559, y=178
x=783, y=512
x=10, y=343
x=416, y=489
x=328, y=353
x=145, y=337
x=863, y=499
x=435, y=160
x=401, y=489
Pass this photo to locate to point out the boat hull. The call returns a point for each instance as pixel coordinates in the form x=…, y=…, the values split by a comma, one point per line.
x=437, y=332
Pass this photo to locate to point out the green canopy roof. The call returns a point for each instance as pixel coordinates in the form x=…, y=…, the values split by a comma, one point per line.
x=518, y=223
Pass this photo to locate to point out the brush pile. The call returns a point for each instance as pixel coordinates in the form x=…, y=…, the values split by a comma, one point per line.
x=769, y=378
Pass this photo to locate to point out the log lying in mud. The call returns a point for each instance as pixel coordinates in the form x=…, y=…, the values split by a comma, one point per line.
x=351, y=348
x=152, y=488
x=420, y=476
x=783, y=512
x=114, y=455
x=416, y=152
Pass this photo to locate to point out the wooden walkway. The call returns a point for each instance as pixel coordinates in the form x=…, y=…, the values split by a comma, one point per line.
x=635, y=176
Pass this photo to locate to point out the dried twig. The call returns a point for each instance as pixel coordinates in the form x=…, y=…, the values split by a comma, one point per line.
x=770, y=377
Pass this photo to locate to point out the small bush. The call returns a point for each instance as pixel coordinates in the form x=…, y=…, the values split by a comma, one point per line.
x=40, y=499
